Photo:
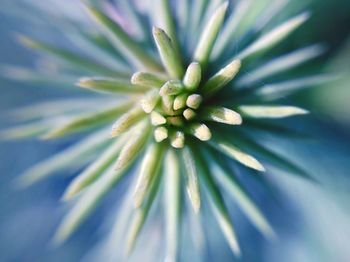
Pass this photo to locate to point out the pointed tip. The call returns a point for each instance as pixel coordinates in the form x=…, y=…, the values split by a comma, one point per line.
x=84, y=82
x=157, y=30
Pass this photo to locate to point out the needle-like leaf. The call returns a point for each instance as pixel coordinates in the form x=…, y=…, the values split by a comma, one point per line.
x=141, y=214
x=110, y=85
x=149, y=168
x=123, y=42
x=86, y=121
x=93, y=171
x=221, y=78
x=132, y=148
x=219, y=208
x=274, y=37
x=78, y=61
x=148, y=79
x=237, y=154
x=271, y=111
x=172, y=205
x=227, y=179
x=127, y=120
x=221, y=115
x=280, y=64
x=169, y=56
x=64, y=159
x=191, y=174
x=208, y=37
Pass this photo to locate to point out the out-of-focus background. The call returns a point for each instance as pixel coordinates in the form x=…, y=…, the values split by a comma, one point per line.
x=312, y=221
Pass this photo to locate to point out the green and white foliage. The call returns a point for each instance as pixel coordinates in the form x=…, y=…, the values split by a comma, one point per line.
x=167, y=76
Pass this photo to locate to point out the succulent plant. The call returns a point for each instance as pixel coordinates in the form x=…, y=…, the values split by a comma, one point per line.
x=174, y=102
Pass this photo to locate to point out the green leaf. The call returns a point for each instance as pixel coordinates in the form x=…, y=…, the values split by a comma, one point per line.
x=168, y=54
x=87, y=204
x=177, y=140
x=26, y=130
x=132, y=51
x=148, y=79
x=271, y=111
x=208, y=37
x=221, y=115
x=194, y=101
x=237, y=154
x=229, y=30
x=110, y=85
x=50, y=109
x=71, y=58
x=138, y=138
x=87, y=121
x=228, y=180
x=201, y=131
x=64, y=159
x=280, y=64
x=191, y=174
x=193, y=76
x=94, y=170
x=219, y=208
x=172, y=205
x=150, y=100
x=149, y=168
x=274, y=37
x=168, y=23
x=127, y=120
x=282, y=89
x=160, y=134
x=40, y=77
x=274, y=158
x=171, y=87
x=141, y=214
x=221, y=78
x=180, y=101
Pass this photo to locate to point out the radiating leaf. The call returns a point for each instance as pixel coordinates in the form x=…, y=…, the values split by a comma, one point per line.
x=281, y=89
x=123, y=42
x=141, y=214
x=78, y=61
x=167, y=22
x=26, y=130
x=149, y=168
x=201, y=131
x=280, y=64
x=208, y=37
x=127, y=120
x=192, y=76
x=87, y=204
x=274, y=37
x=274, y=158
x=191, y=174
x=219, y=208
x=167, y=53
x=221, y=78
x=132, y=148
x=227, y=179
x=148, y=79
x=86, y=121
x=274, y=111
x=172, y=205
x=95, y=169
x=237, y=154
x=110, y=85
x=64, y=159
x=229, y=29
x=221, y=115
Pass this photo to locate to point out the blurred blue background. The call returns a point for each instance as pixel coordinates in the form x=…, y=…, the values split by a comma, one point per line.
x=312, y=221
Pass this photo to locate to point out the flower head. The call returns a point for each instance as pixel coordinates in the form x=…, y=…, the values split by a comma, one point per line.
x=174, y=98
